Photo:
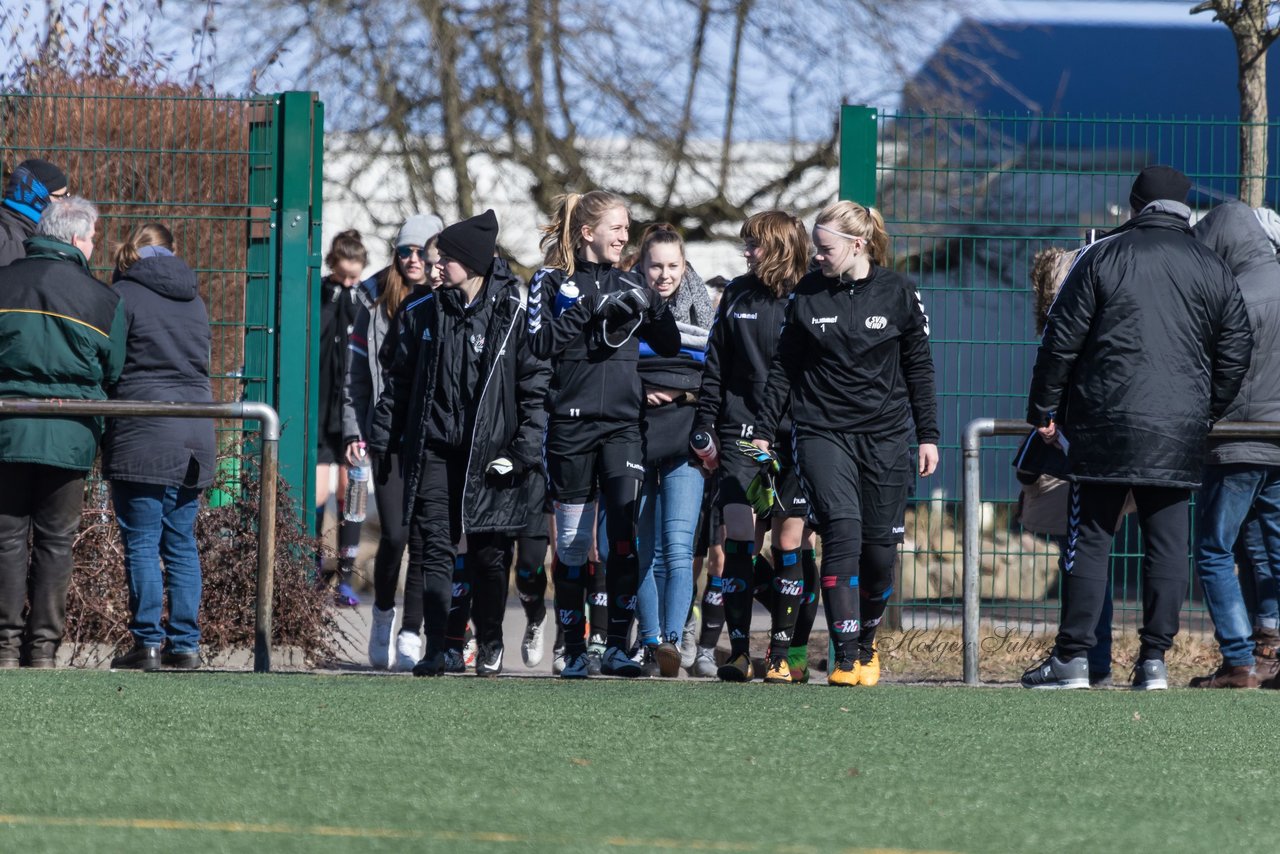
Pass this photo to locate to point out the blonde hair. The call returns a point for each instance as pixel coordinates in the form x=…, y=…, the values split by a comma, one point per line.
x=1048, y=271
x=854, y=220
x=394, y=287
x=147, y=234
x=783, y=242
x=562, y=237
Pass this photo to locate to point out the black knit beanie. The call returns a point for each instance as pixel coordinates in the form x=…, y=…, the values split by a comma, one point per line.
x=1158, y=182
x=471, y=241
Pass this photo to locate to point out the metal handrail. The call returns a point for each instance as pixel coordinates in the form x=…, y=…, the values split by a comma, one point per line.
x=971, y=544
x=270, y=461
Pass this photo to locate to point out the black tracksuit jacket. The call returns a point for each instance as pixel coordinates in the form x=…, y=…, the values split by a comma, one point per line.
x=740, y=349
x=853, y=356
x=592, y=380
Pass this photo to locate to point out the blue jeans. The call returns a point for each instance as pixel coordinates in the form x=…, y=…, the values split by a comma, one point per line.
x=1257, y=577
x=158, y=522
x=1223, y=505
x=669, y=509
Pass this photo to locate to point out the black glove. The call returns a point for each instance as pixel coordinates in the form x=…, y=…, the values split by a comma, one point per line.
x=503, y=472
x=381, y=466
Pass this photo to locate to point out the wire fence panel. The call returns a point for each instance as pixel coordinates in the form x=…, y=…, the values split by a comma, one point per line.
x=969, y=200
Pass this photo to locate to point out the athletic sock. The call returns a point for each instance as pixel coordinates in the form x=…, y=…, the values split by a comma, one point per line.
x=455, y=632
x=737, y=581
x=762, y=574
x=876, y=570
x=712, y=612
x=809, y=605
x=571, y=600
x=840, y=599
x=531, y=587
x=788, y=594
x=598, y=599
x=622, y=580
x=873, y=608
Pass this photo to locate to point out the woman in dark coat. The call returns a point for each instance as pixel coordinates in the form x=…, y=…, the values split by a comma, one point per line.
x=158, y=467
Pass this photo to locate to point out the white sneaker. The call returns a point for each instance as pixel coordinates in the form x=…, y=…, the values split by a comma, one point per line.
x=408, y=651
x=534, y=641
x=557, y=660
x=380, y=637
x=704, y=663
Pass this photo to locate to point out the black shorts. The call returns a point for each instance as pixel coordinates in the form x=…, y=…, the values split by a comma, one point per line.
x=857, y=476
x=330, y=450
x=581, y=455
x=736, y=472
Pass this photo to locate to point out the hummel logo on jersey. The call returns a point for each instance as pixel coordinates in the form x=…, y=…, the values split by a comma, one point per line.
x=798, y=501
x=877, y=322
x=823, y=321
x=635, y=466
x=900, y=530
x=742, y=315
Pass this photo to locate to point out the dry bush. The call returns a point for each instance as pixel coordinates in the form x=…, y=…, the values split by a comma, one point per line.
x=1013, y=564
x=303, y=616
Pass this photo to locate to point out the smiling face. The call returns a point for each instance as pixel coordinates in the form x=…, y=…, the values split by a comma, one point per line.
x=604, y=241
x=835, y=255
x=664, y=268
x=415, y=263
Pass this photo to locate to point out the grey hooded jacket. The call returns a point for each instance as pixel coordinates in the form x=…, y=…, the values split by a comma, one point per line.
x=1233, y=231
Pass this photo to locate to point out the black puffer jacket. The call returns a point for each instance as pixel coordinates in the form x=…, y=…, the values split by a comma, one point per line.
x=1233, y=231
x=509, y=413
x=14, y=229
x=1146, y=344
x=166, y=358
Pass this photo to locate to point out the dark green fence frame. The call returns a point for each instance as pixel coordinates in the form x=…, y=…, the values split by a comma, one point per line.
x=238, y=182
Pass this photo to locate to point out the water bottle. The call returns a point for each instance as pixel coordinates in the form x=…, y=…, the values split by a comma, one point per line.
x=357, y=498
x=565, y=298
x=704, y=445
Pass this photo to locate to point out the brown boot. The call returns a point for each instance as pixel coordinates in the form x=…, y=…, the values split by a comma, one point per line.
x=1227, y=676
x=1266, y=643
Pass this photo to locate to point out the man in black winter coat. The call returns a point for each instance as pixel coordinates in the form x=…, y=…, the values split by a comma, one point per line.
x=32, y=186
x=1145, y=347
x=1242, y=475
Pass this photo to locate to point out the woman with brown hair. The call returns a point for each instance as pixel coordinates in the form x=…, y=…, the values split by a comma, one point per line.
x=158, y=467
x=588, y=318
x=853, y=364
x=742, y=346
x=412, y=272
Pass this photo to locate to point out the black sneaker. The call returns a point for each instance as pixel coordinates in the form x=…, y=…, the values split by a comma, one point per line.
x=1150, y=675
x=649, y=660
x=144, y=658
x=489, y=660
x=432, y=664
x=1054, y=673
x=180, y=660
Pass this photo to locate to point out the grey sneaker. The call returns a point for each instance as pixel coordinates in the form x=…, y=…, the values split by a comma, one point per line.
x=689, y=639
x=1150, y=675
x=1054, y=673
x=704, y=663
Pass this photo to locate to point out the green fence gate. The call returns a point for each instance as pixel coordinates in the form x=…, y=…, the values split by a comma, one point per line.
x=237, y=180
x=968, y=201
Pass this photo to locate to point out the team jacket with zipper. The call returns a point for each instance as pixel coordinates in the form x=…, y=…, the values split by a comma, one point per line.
x=853, y=356
x=508, y=408
x=740, y=349
x=594, y=376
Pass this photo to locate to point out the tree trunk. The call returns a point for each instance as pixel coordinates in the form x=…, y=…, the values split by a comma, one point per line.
x=1252, y=53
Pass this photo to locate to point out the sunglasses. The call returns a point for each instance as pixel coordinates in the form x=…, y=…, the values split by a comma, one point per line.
x=407, y=252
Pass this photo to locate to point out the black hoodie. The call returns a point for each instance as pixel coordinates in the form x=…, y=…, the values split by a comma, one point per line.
x=166, y=358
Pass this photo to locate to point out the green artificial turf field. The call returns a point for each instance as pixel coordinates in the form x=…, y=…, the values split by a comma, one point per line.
x=96, y=761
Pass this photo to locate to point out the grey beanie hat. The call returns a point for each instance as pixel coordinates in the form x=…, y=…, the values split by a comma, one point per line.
x=419, y=229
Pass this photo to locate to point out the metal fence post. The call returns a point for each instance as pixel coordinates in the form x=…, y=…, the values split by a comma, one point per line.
x=859, y=136
x=297, y=318
x=971, y=545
